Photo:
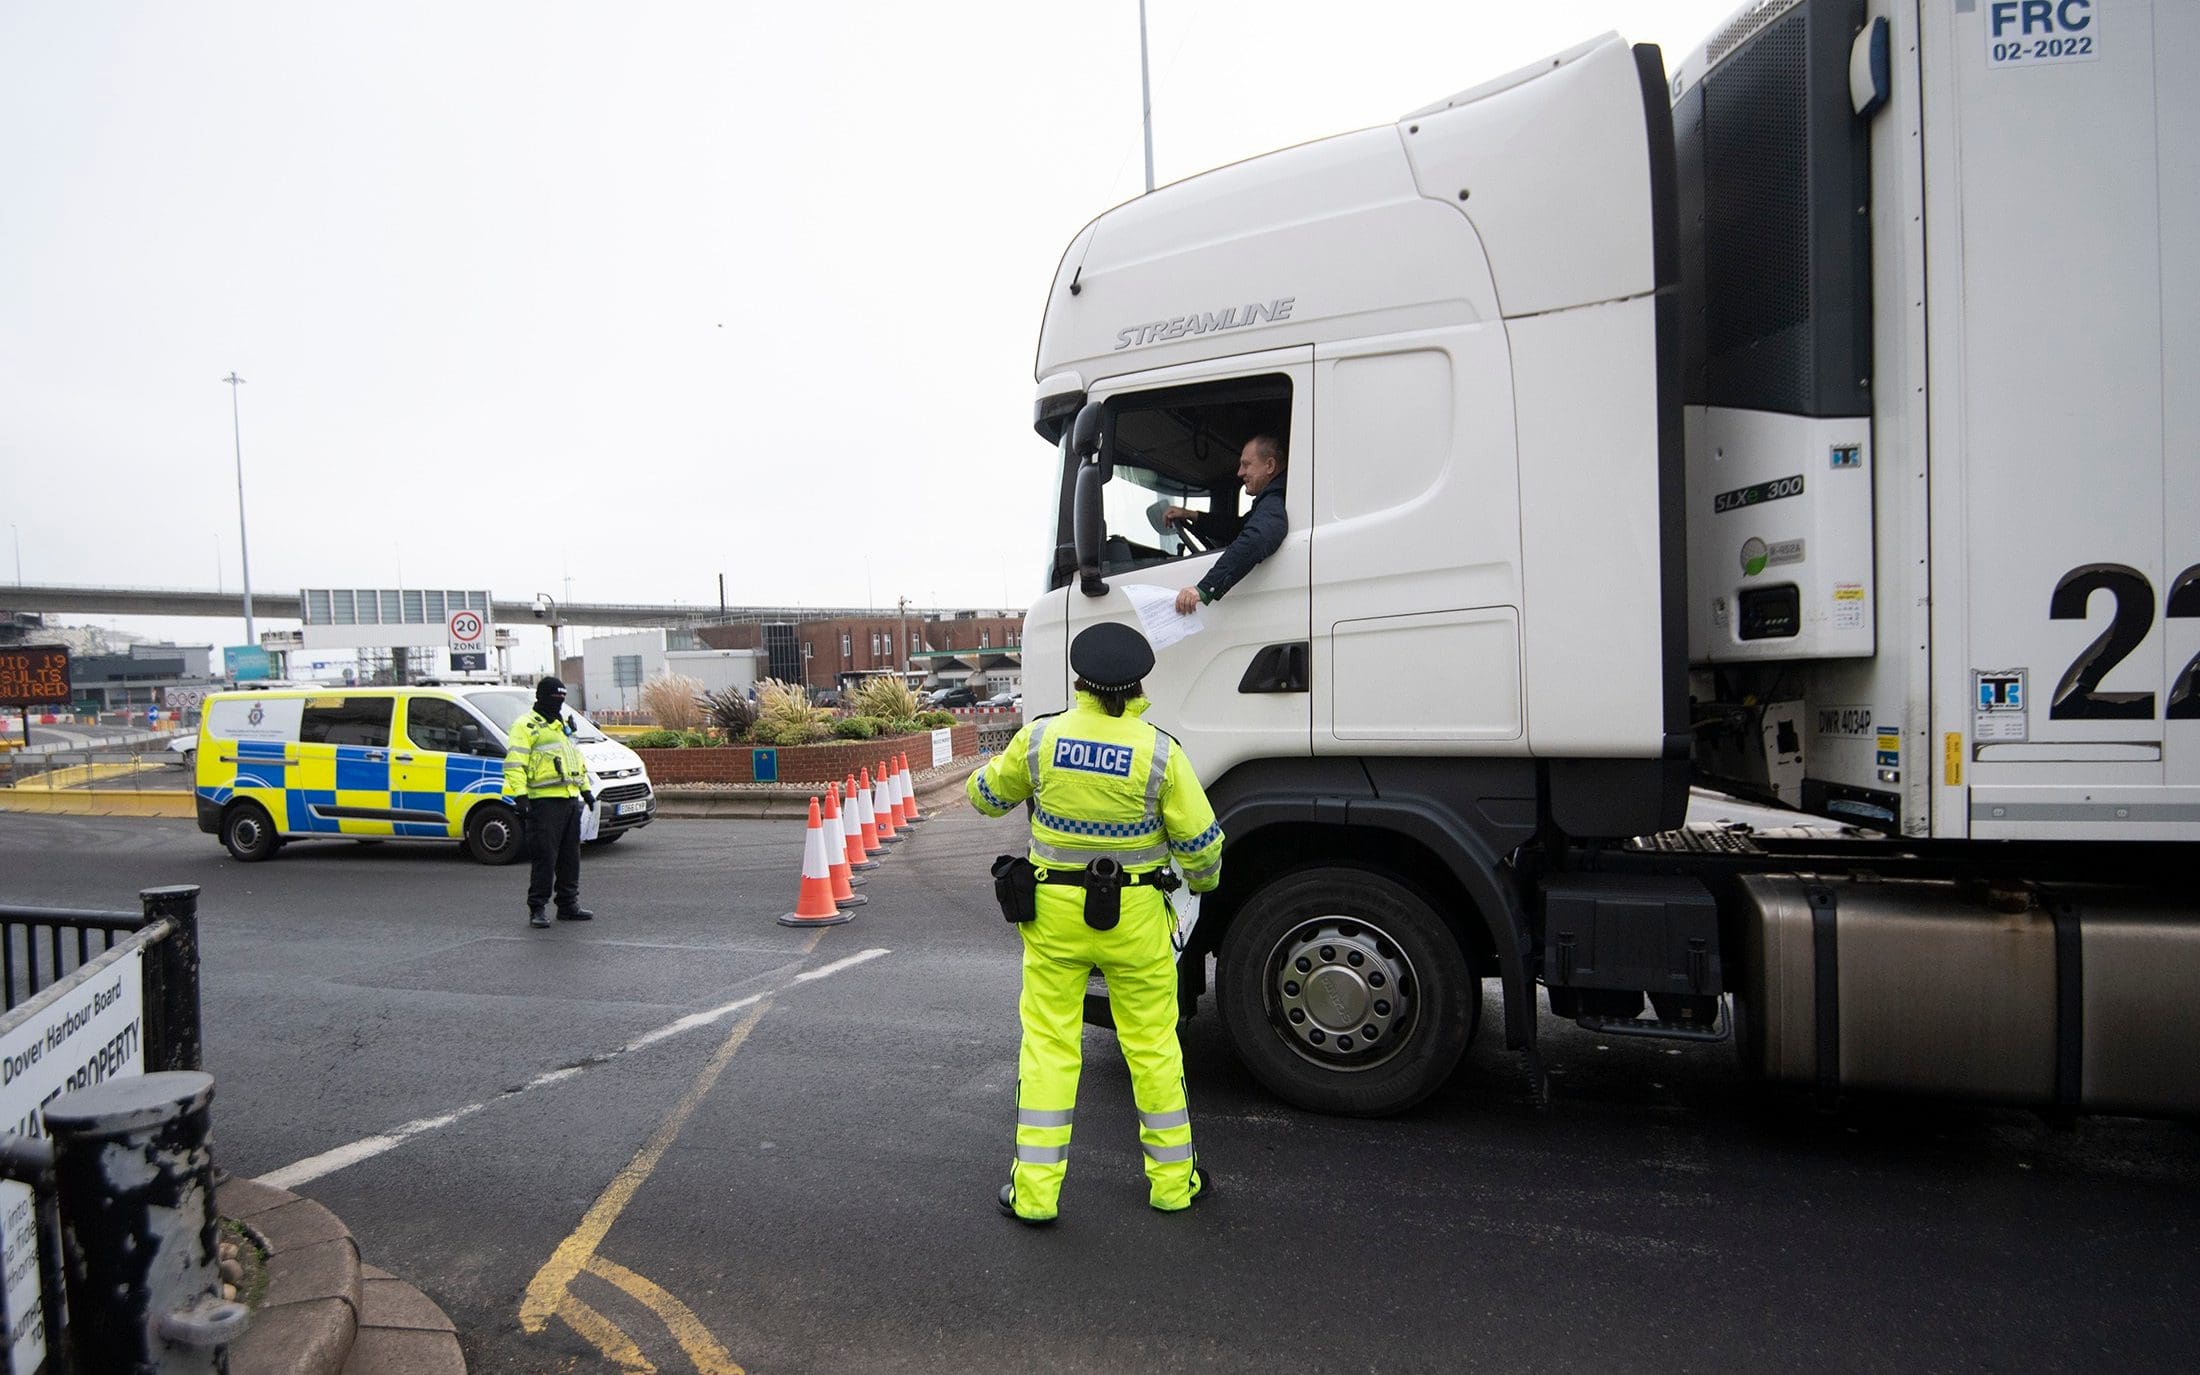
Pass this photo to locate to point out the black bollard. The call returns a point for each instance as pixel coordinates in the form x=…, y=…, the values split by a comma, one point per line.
x=134, y=1165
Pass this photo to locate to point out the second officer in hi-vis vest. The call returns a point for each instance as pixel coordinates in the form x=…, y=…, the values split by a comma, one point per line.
x=1113, y=801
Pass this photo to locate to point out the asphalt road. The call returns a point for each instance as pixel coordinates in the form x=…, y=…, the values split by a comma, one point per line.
x=803, y=1181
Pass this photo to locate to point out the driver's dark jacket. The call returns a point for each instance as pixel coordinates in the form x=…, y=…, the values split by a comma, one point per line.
x=1259, y=536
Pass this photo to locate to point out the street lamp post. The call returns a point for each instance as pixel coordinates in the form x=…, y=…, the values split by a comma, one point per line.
x=244, y=550
x=544, y=600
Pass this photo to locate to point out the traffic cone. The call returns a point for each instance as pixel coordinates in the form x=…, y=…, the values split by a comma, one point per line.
x=882, y=802
x=867, y=815
x=894, y=790
x=836, y=855
x=909, y=793
x=814, y=904
x=851, y=822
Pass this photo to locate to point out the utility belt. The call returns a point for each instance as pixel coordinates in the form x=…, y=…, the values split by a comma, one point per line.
x=1016, y=883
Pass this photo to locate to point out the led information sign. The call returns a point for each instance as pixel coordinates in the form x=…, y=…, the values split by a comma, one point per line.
x=34, y=676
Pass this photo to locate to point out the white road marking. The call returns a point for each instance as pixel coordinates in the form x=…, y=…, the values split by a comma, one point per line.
x=837, y=965
x=367, y=1147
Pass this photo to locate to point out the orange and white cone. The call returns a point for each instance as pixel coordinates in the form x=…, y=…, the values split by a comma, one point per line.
x=882, y=803
x=851, y=822
x=909, y=792
x=814, y=904
x=867, y=815
x=836, y=854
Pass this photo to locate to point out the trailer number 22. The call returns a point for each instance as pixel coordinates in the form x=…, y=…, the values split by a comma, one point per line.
x=2078, y=696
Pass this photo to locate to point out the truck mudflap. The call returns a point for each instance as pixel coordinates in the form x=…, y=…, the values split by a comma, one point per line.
x=2072, y=997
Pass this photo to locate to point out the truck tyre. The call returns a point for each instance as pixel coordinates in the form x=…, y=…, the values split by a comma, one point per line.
x=492, y=833
x=1344, y=992
x=247, y=832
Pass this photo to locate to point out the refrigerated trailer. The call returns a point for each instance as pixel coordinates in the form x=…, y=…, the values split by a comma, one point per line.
x=1817, y=418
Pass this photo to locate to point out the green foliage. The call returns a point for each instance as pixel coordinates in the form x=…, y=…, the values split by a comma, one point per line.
x=771, y=731
x=654, y=740
x=856, y=728
x=933, y=720
x=697, y=739
x=785, y=715
x=886, y=697
x=730, y=712
x=902, y=725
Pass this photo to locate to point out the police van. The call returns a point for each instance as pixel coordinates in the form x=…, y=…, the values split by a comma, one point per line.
x=404, y=763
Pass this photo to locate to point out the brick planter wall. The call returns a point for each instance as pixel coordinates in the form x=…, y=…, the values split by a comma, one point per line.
x=819, y=764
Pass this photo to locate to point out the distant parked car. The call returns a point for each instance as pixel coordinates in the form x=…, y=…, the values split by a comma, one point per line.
x=955, y=697
x=1004, y=699
x=185, y=748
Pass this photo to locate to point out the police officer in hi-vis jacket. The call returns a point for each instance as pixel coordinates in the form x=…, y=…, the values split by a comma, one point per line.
x=547, y=780
x=1114, y=800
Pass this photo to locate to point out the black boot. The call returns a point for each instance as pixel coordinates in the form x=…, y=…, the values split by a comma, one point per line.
x=537, y=917
x=575, y=913
x=1007, y=1199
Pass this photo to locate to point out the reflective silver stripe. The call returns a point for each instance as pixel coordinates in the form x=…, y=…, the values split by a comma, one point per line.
x=1043, y=1155
x=1208, y=871
x=1044, y=1117
x=1037, y=751
x=1183, y=1152
x=1078, y=859
x=1160, y=770
x=1162, y=1121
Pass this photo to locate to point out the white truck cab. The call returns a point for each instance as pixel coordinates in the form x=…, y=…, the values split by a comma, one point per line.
x=1815, y=418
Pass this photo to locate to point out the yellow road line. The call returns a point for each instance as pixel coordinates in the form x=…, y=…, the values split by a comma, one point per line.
x=548, y=1290
x=702, y=1348
x=605, y=1334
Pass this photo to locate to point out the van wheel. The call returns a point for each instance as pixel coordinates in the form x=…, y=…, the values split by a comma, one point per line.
x=248, y=833
x=492, y=833
x=1345, y=992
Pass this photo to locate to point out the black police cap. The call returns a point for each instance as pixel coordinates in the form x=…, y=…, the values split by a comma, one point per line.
x=547, y=687
x=1110, y=656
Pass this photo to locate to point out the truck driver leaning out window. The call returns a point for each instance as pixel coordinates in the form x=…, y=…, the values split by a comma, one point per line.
x=1113, y=800
x=1260, y=469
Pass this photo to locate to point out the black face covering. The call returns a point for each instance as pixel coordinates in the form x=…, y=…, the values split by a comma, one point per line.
x=551, y=706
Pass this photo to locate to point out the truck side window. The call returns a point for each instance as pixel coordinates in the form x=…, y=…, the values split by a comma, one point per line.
x=350, y=721
x=432, y=723
x=1176, y=448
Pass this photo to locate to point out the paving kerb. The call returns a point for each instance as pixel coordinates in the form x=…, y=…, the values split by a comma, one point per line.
x=325, y=1313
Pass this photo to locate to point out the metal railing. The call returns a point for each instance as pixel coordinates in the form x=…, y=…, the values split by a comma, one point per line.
x=48, y=955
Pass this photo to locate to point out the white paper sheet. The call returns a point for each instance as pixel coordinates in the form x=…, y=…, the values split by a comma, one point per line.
x=589, y=822
x=1156, y=608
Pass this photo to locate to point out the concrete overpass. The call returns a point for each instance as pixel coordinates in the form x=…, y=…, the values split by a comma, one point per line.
x=283, y=606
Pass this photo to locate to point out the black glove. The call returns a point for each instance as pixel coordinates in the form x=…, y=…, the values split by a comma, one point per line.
x=520, y=805
x=588, y=799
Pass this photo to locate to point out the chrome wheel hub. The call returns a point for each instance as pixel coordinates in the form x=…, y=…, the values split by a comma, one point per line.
x=1341, y=992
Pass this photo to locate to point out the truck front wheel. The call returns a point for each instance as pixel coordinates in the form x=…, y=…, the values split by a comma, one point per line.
x=1344, y=992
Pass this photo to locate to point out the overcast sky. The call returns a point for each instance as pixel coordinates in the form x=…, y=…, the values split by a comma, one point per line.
x=723, y=288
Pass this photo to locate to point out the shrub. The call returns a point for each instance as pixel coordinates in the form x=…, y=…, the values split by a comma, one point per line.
x=654, y=740
x=785, y=715
x=856, y=728
x=780, y=732
x=730, y=712
x=889, y=698
x=933, y=720
x=902, y=725
x=697, y=739
x=670, y=700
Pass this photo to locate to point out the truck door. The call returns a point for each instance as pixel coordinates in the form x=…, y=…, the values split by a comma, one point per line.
x=1239, y=686
x=1417, y=532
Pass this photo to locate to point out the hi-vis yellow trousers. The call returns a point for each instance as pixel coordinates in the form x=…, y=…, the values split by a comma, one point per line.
x=1140, y=964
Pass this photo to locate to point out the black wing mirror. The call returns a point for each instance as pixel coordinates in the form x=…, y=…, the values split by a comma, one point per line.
x=1088, y=521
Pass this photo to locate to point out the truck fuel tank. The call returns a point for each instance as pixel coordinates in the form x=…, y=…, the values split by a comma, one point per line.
x=2075, y=997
